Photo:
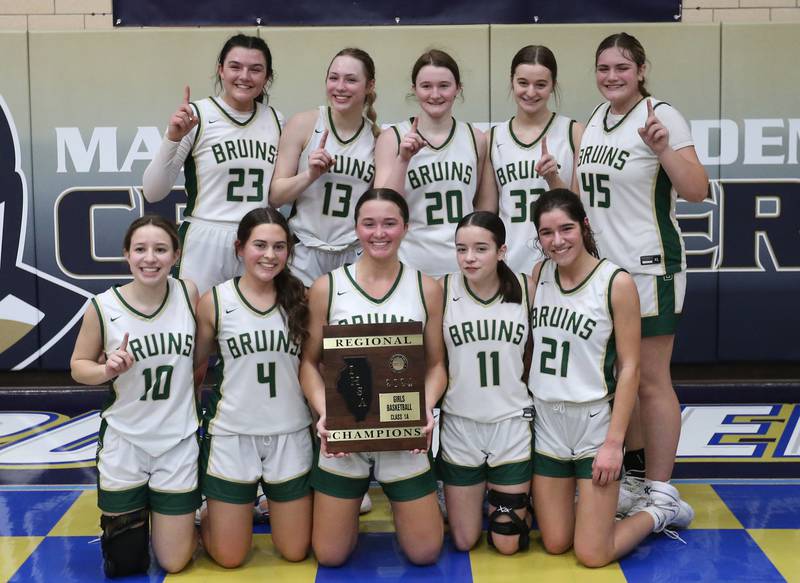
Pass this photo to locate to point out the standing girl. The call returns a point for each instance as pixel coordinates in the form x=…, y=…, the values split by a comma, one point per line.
x=141, y=337
x=636, y=157
x=586, y=331
x=376, y=288
x=436, y=162
x=257, y=429
x=326, y=162
x=228, y=146
x=532, y=152
x=485, y=438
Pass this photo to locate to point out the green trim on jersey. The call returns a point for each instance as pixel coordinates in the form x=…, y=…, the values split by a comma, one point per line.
x=478, y=300
x=572, y=123
x=388, y=294
x=330, y=296
x=474, y=141
x=215, y=297
x=607, y=129
x=247, y=304
x=446, y=141
x=610, y=352
x=578, y=287
x=446, y=290
x=186, y=295
x=102, y=322
x=522, y=144
x=277, y=121
x=190, y=185
x=523, y=282
x=241, y=124
x=668, y=235
x=397, y=135
x=421, y=295
x=336, y=134
x=136, y=312
x=491, y=150
x=199, y=126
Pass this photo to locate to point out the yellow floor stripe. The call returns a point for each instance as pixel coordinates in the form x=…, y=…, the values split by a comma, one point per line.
x=781, y=546
x=488, y=566
x=264, y=564
x=15, y=550
x=82, y=518
x=710, y=511
x=380, y=518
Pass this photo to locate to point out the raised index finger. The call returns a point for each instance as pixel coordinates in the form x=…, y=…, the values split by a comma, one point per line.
x=650, y=112
x=124, y=345
x=323, y=139
x=186, y=95
x=544, y=147
x=414, y=124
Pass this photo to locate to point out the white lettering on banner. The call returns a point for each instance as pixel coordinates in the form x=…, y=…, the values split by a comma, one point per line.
x=704, y=426
x=103, y=147
x=782, y=144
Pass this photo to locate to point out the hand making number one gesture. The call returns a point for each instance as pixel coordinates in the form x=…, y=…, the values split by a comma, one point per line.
x=547, y=166
x=183, y=120
x=654, y=134
x=120, y=360
x=320, y=161
x=412, y=142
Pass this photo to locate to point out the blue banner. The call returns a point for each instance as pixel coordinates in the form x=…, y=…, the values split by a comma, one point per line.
x=387, y=12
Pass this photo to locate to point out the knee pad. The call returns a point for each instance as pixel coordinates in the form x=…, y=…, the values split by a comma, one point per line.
x=505, y=504
x=126, y=543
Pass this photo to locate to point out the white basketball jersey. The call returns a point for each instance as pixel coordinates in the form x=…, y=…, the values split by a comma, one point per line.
x=485, y=343
x=152, y=403
x=231, y=163
x=440, y=185
x=628, y=196
x=349, y=304
x=323, y=215
x=519, y=186
x=259, y=392
x=574, y=353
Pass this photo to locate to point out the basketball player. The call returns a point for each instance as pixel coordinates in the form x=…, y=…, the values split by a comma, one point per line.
x=228, y=146
x=486, y=432
x=636, y=157
x=376, y=288
x=586, y=333
x=257, y=427
x=435, y=162
x=140, y=336
x=529, y=154
x=326, y=162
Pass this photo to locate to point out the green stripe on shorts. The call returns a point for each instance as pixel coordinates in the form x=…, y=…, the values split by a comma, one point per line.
x=455, y=475
x=411, y=488
x=175, y=503
x=554, y=468
x=289, y=490
x=121, y=501
x=666, y=322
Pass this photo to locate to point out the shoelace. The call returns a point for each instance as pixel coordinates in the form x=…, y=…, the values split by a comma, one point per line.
x=673, y=535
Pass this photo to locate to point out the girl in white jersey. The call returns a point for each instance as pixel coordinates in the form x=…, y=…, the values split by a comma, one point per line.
x=435, y=162
x=140, y=336
x=326, y=162
x=377, y=288
x=636, y=157
x=530, y=153
x=228, y=147
x=257, y=425
x=485, y=424
x=586, y=332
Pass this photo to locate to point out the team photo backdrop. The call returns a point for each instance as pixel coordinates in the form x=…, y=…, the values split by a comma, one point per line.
x=81, y=115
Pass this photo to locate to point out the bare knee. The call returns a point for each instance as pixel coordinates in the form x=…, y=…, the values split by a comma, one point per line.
x=464, y=540
x=228, y=559
x=556, y=545
x=592, y=558
x=173, y=564
x=294, y=553
x=329, y=555
x=424, y=555
x=505, y=545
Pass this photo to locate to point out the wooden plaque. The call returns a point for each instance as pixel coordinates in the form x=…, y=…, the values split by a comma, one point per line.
x=374, y=387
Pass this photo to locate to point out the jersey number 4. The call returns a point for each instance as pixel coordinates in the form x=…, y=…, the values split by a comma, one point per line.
x=266, y=375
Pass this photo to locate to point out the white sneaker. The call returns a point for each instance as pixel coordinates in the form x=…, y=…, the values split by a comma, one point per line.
x=665, y=506
x=366, y=504
x=631, y=494
x=198, y=513
x=261, y=510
